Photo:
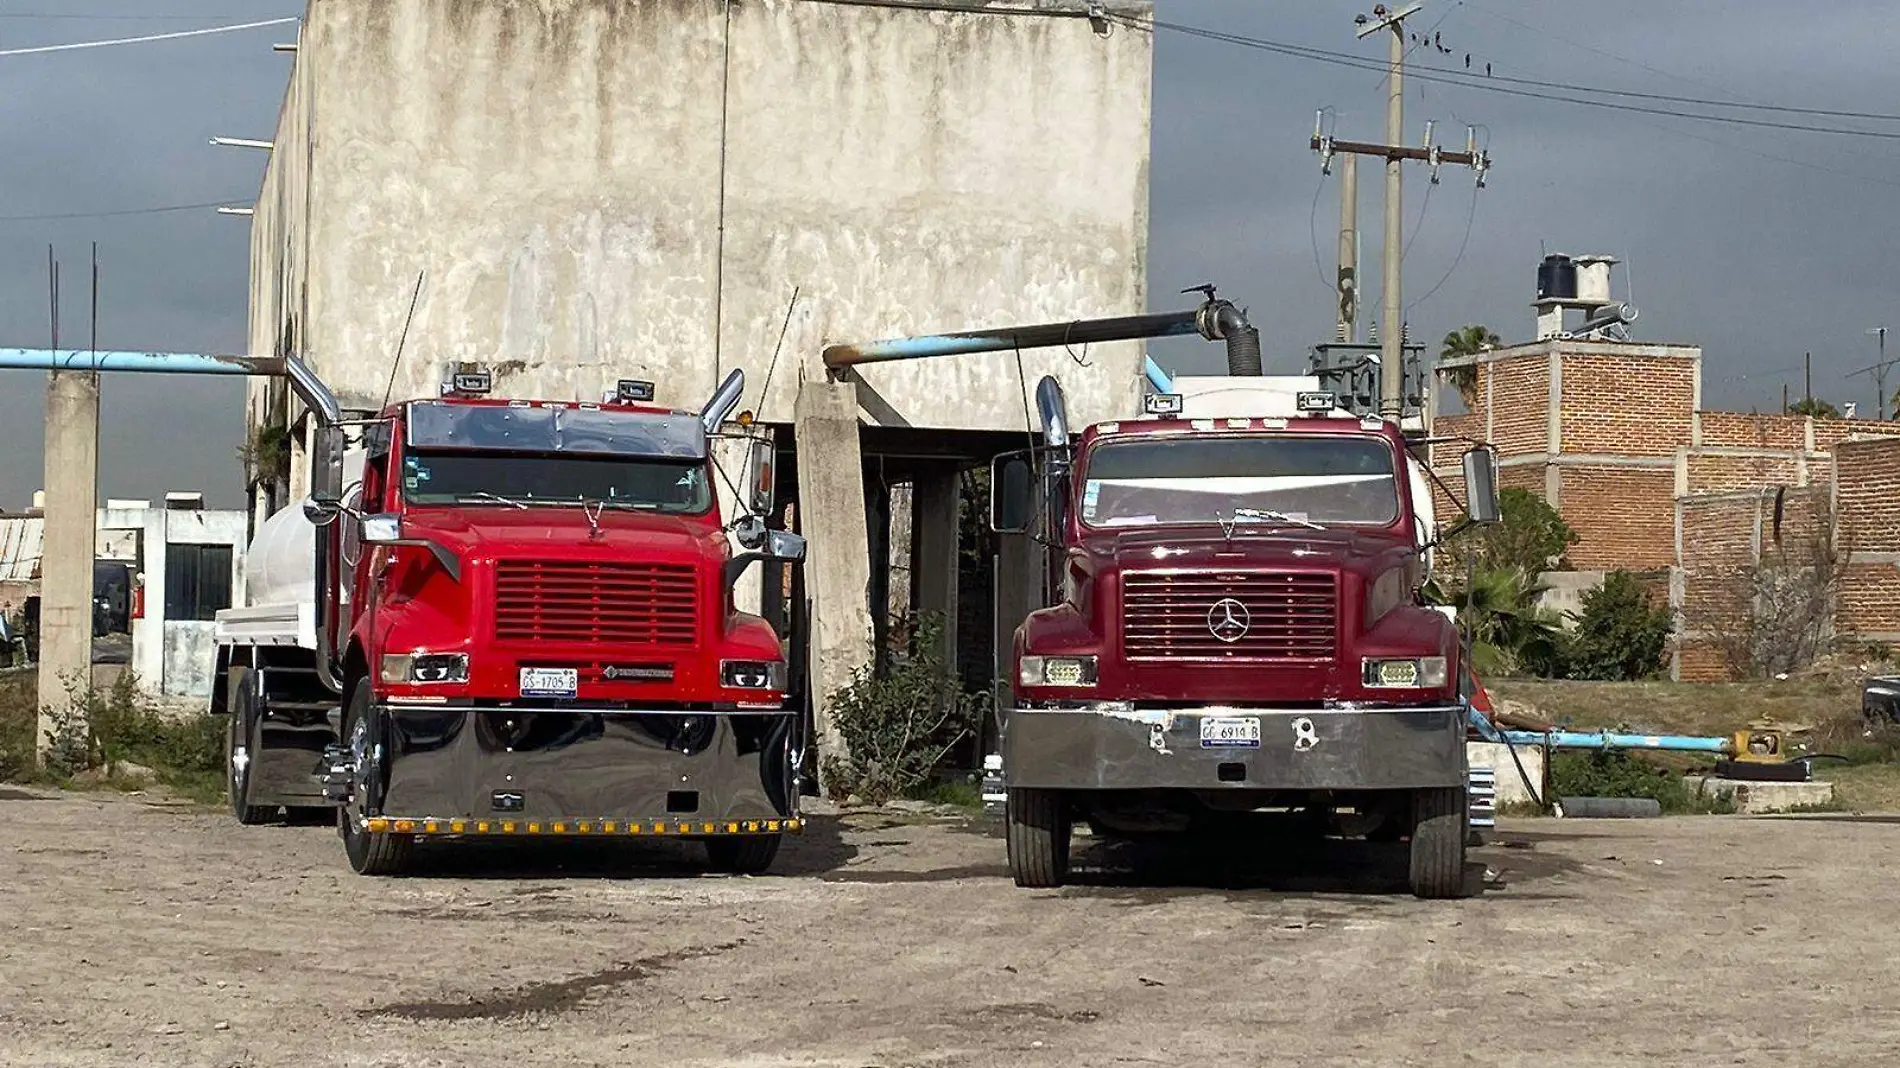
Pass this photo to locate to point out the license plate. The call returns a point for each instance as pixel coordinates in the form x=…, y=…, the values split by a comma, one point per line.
x=1236, y=732
x=549, y=682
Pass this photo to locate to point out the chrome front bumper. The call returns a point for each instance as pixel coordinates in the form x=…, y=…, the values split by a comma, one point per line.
x=1304, y=749
x=572, y=765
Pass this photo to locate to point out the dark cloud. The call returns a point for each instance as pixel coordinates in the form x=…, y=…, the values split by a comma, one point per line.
x=1757, y=259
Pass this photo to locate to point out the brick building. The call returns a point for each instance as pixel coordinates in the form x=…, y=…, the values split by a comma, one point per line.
x=1614, y=435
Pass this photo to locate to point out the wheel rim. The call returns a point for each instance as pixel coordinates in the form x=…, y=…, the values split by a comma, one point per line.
x=240, y=765
x=363, y=759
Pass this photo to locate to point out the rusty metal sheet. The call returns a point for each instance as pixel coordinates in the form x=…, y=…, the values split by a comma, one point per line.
x=21, y=546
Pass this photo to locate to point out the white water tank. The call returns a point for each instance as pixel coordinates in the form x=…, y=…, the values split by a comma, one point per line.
x=280, y=567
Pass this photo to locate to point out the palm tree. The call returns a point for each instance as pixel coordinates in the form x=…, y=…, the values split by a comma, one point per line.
x=1467, y=341
x=1815, y=407
x=1510, y=633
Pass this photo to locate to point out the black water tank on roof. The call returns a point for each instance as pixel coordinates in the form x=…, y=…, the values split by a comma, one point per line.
x=1557, y=278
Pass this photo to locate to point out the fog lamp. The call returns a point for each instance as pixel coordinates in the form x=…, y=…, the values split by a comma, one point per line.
x=425, y=667
x=1057, y=671
x=1403, y=674
x=753, y=674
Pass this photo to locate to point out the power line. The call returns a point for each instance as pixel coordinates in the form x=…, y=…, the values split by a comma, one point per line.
x=117, y=212
x=146, y=38
x=1489, y=84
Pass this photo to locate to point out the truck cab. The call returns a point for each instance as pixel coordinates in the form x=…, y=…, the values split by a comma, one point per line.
x=1238, y=628
x=526, y=612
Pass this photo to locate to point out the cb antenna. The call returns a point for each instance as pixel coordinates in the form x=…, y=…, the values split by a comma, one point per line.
x=402, y=341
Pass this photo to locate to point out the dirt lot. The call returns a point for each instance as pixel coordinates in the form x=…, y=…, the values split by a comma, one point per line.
x=143, y=933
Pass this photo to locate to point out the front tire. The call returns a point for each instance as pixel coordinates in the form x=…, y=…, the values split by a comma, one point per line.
x=1039, y=829
x=239, y=753
x=1440, y=824
x=369, y=852
x=748, y=854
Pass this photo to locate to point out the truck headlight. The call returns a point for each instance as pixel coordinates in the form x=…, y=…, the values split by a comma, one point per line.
x=1420, y=673
x=753, y=674
x=425, y=667
x=1057, y=671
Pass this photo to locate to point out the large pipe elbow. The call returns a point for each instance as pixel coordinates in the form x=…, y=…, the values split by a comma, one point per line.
x=1220, y=320
x=310, y=389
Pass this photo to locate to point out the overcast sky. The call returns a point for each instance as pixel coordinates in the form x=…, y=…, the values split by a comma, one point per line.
x=1756, y=258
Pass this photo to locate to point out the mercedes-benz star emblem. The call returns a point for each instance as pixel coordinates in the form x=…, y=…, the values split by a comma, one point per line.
x=1229, y=620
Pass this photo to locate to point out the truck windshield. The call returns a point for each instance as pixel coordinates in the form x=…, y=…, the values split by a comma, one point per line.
x=498, y=478
x=1215, y=479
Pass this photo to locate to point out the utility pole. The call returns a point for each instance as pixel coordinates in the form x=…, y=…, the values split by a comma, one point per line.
x=1391, y=345
x=1347, y=285
x=70, y=535
x=1879, y=371
x=1807, y=376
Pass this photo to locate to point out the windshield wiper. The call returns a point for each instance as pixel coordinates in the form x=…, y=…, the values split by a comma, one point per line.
x=484, y=495
x=1271, y=516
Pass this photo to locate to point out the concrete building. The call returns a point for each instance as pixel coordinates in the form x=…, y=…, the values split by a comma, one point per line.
x=1612, y=432
x=590, y=190
x=188, y=561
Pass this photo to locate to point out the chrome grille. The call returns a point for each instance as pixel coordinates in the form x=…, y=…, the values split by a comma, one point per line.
x=557, y=601
x=1288, y=616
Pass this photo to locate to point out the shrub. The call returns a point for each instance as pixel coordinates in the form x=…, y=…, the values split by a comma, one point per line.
x=1620, y=634
x=185, y=753
x=1499, y=609
x=1617, y=774
x=1530, y=536
x=897, y=728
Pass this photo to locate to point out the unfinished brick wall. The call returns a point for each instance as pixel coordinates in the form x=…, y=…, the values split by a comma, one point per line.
x=1630, y=405
x=1831, y=432
x=1517, y=394
x=1867, y=506
x=1724, y=538
x=1724, y=473
x=1624, y=516
x=1753, y=431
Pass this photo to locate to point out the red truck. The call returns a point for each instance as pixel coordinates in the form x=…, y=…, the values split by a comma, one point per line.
x=1239, y=630
x=518, y=620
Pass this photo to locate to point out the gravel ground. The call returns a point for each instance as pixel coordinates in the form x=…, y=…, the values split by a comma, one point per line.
x=145, y=933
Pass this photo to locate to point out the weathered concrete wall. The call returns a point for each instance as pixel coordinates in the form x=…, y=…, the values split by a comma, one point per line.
x=607, y=188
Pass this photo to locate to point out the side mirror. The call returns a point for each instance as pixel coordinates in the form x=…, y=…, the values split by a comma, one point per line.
x=761, y=476
x=749, y=533
x=784, y=545
x=320, y=511
x=385, y=529
x=1012, y=493
x=1481, y=486
x=326, y=465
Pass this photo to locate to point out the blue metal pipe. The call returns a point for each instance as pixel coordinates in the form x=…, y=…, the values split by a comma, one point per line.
x=1681, y=743
x=1044, y=335
x=185, y=363
x=1156, y=376
x=304, y=382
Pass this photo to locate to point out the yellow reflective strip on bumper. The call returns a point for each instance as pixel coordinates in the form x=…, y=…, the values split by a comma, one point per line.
x=427, y=825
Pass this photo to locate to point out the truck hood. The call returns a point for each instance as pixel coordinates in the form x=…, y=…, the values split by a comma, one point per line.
x=1353, y=550
x=564, y=532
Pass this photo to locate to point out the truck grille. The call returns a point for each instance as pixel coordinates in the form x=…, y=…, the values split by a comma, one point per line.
x=1257, y=616
x=650, y=604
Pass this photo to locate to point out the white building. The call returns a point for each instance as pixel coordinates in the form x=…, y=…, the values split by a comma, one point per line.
x=186, y=561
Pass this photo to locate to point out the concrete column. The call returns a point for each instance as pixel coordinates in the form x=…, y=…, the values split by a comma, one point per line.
x=903, y=550
x=72, y=502
x=934, y=560
x=837, y=569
